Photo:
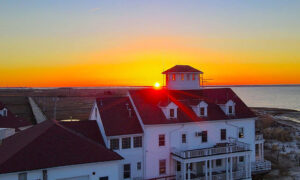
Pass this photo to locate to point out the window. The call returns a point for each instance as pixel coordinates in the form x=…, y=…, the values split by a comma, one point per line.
x=137, y=141
x=4, y=112
x=178, y=166
x=188, y=76
x=126, y=143
x=183, y=138
x=241, y=158
x=162, y=167
x=126, y=171
x=114, y=144
x=182, y=77
x=202, y=111
x=223, y=134
x=22, y=176
x=103, y=178
x=138, y=165
x=172, y=113
x=219, y=162
x=167, y=77
x=204, y=136
x=161, y=140
x=193, y=77
x=241, y=132
x=174, y=77
x=230, y=111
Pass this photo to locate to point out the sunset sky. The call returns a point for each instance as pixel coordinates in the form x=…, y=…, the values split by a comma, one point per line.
x=58, y=43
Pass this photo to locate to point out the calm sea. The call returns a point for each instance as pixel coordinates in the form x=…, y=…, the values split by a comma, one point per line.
x=287, y=97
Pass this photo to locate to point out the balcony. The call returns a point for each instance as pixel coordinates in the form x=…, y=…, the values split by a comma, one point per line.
x=219, y=176
x=259, y=167
x=222, y=148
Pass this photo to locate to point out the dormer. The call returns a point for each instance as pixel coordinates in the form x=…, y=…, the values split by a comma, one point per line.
x=183, y=77
x=229, y=108
x=3, y=112
x=169, y=110
x=200, y=109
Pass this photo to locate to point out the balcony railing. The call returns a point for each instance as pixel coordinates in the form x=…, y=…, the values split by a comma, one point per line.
x=231, y=147
x=260, y=167
x=220, y=176
x=259, y=137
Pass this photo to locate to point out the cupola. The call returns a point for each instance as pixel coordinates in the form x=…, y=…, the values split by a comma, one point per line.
x=183, y=77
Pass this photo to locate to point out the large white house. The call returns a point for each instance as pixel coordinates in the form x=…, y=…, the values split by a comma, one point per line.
x=182, y=131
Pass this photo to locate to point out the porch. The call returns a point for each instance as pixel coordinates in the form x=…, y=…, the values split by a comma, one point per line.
x=229, y=160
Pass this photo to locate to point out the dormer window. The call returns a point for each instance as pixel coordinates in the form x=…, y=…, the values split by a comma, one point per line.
x=230, y=110
x=200, y=109
x=230, y=107
x=169, y=110
x=172, y=113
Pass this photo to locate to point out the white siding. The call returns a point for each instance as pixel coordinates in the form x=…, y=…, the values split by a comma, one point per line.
x=110, y=169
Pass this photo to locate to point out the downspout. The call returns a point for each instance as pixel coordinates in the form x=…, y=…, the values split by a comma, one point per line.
x=170, y=133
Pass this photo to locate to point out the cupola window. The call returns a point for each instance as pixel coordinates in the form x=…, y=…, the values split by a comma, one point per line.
x=174, y=77
x=182, y=77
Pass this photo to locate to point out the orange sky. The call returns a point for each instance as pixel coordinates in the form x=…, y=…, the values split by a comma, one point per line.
x=109, y=44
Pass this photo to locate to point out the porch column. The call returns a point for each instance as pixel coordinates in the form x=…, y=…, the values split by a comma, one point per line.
x=227, y=174
x=246, y=165
x=262, y=151
x=189, y=171
x=183, y=170
x=206, y=170
x=210, y=170
x=231, y=177
x=249, y=166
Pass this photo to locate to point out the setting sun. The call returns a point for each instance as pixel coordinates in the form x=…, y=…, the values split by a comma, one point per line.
x=157, y=85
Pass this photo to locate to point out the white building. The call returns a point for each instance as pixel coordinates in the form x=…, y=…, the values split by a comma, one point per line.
x=53, y=151
x=187, y=132
x=183, y=131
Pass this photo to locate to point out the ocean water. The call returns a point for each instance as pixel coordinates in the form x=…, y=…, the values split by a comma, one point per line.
x=287, y=97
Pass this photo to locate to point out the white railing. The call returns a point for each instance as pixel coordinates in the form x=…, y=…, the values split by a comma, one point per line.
x=260, y=166
x=233, y=146
x=259, y=137
x=235, y=175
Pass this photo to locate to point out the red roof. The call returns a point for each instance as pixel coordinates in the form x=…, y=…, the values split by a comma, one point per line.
x=182, y=68
x=147, y=102
x=50, y=144
x=11, y=121
x=115, y=117
x=87, y=128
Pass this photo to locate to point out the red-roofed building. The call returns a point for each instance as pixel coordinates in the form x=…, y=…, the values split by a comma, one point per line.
x=54, y=151
x=186, y=131
x=9, y=123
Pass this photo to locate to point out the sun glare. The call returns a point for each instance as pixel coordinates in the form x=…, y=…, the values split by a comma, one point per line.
x=156, y=85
